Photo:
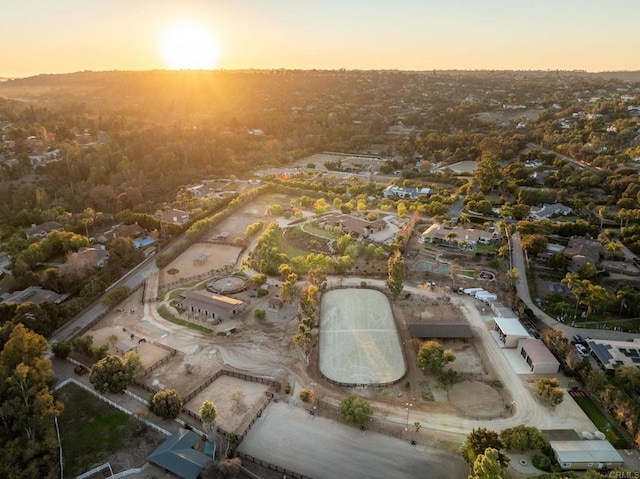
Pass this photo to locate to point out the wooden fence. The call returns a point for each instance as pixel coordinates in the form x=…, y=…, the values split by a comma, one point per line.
x=283, y=470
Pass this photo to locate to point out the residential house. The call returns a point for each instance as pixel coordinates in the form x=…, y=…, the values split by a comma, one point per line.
x=44, y=158
x=174, y=216
x=581, y=251
x=401, y=192
x=93, y=256
x=121, y=231
x=352, y=225
x=43, y=229
x=613, y=354
x=457, y=234
x=33, y=294
x=550, y=211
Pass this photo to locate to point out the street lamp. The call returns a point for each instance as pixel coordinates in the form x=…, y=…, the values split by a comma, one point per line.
x=407, y=408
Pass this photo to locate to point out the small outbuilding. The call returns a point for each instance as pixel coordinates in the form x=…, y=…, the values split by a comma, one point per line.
x=580, y=455
x=510, y=331
x=538, y=356
x=123, y=347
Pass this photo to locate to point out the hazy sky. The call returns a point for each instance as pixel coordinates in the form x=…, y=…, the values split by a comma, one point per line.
x=53, y=36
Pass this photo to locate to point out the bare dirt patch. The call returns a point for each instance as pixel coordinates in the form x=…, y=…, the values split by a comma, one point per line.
x=184, y=372
x=236, y=401
x=476, y=399
x=191, y=263
x=111, y=335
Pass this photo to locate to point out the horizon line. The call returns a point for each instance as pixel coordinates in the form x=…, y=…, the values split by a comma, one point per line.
x=24, y=75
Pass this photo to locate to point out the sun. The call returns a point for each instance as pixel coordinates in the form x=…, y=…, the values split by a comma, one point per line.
x=189, y=46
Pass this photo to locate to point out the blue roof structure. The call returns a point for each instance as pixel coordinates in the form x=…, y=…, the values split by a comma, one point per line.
x=177, y=455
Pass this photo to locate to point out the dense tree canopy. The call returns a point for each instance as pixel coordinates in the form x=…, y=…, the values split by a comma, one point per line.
x=27, y=406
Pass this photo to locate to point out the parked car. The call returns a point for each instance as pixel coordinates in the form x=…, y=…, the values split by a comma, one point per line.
x=578, y=339
x=582, y=351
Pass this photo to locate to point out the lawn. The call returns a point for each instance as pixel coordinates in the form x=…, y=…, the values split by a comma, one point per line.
x=316, y=230
x=600, y=421
x=92, y=432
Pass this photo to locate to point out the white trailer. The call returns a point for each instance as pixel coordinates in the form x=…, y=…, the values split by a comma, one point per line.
x=472, y=291
x=487, y=298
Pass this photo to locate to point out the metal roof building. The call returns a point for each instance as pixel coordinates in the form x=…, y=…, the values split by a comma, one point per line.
x=510, y=330
x=538, y=356
x=177, y=455
x=580, y=455
x=443, y=330
x=210, y=305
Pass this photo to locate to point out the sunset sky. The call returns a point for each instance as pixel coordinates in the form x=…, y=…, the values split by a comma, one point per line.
x=57, y=36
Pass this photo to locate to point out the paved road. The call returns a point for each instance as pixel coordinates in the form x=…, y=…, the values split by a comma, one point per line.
x=323, y=449
x=579, y=164
x=522, y=286
x=134, y=277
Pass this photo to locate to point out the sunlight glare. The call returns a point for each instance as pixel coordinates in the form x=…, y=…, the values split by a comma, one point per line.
x=189, y=46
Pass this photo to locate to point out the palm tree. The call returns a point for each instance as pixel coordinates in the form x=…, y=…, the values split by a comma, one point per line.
x=451, y=236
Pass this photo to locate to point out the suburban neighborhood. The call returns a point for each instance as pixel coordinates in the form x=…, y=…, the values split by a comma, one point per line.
x=403, y=274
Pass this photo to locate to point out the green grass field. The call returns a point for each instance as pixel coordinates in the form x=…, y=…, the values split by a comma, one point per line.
x=90, y=429
x=600, y=421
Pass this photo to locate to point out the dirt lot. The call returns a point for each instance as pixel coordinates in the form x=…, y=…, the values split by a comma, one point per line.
x=242, y=399
x=187, y=265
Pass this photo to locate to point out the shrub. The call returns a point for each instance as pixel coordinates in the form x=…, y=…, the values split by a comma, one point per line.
x=305, y=395
x=61, y=349
x=541, y=462
x=260, y=314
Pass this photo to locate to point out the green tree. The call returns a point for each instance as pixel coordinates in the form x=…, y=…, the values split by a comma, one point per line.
x=111, y=374
x=534, y=244
x=28, y=447
x=487, y=465
x=395, y=280
x=208, y=414
x=166, y=403
x=477, y=442
x=289, y=289
x=522, y=438
x=355, y=410
x=628, y=378
x=433, y=358
x=116, y=296
x=550, y=391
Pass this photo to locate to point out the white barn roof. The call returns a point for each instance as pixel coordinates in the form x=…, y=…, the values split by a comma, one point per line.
x=511, y=327
x=585, y=451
